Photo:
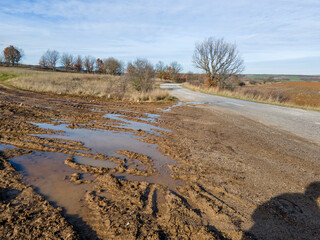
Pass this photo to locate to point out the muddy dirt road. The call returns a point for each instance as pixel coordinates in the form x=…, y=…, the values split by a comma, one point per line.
x=87, y=168
x=297, y=121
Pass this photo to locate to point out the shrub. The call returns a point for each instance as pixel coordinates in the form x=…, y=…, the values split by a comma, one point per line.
x=141, y=73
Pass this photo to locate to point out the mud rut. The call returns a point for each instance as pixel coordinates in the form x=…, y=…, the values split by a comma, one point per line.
x=114, y=207
x=202, y=194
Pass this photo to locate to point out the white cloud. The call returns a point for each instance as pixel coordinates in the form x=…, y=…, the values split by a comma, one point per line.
x=266, y=31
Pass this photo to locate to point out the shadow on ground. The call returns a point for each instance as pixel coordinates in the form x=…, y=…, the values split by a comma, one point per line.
x=288, y=216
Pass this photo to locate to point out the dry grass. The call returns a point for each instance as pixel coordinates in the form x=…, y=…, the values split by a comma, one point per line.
x=115, y=87
x=300, y=95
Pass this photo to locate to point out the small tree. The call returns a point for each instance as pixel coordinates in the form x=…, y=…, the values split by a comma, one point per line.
x=78, y=63
x=43, y=62
x=219, y=59
x=89, y=63
x=67, y=61
x=113, y=66
x=13, y=54
x=49, y=59
x=141, y=74
x=100, y=66
x=174, y=70
x=161, y=70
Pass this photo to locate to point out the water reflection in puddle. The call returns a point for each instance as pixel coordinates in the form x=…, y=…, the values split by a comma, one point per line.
x=109, y=142
x=46, y=171
x=6, y=146
x=125, y=123
x=94, y=162
x=180, y=104
x=106, y=142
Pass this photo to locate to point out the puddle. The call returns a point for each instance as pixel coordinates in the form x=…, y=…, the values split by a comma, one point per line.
x=46, y=172
x=169, y=108
x=6, y=146
x=180, y=104
x=105, y=141
x=94, y=162
x=128, y=124
x=108, y=143
x=152, y=118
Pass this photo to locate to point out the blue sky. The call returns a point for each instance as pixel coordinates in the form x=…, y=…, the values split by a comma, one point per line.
x=273, y=36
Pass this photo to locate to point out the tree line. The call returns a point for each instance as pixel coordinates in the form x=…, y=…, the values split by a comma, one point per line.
x=110, y=65
x=220, y=60
x=87, y=64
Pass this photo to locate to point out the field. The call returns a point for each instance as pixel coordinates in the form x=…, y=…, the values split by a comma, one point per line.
x=299, y=93
x=290, y=78
x=106, y=86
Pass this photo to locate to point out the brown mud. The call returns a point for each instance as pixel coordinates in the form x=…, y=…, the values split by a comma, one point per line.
x=220, y=176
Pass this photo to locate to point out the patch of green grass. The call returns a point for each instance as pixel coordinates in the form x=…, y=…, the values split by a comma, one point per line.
x=294, y=78
x=4, y=76
x=258, y=76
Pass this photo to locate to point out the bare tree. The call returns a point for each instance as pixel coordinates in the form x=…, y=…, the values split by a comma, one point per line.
x=88, y=63
x=174, y=70
x=113, y=66
x=13, y=54
x=43, y=62
x=67, y=61
x=161, y=70
x=49, y=59
x=78, y=63
x=141, y=74
x=219, y=59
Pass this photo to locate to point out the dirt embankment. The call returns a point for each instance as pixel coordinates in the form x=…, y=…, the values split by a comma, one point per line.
x=242, y=179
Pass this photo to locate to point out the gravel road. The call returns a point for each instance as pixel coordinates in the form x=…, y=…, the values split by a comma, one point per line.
x=300, y=122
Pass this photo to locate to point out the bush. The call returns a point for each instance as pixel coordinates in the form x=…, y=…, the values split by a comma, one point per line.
x=113, y=66
x=253, y=82
x=141, y=73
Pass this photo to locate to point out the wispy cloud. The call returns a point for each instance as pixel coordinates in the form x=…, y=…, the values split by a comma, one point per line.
x=265, y=31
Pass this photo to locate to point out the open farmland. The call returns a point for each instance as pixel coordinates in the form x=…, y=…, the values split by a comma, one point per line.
x=290, y=78
x=298, y=93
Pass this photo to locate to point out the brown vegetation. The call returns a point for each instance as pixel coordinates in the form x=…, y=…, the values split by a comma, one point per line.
x=49, y=59
x=293, y=94
x=219, y=60
x=12, y=54
x=141, y=73
x=171, y=72
x=107, y=86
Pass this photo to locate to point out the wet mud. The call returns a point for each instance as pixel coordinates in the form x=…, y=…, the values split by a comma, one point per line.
x=90, y=168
